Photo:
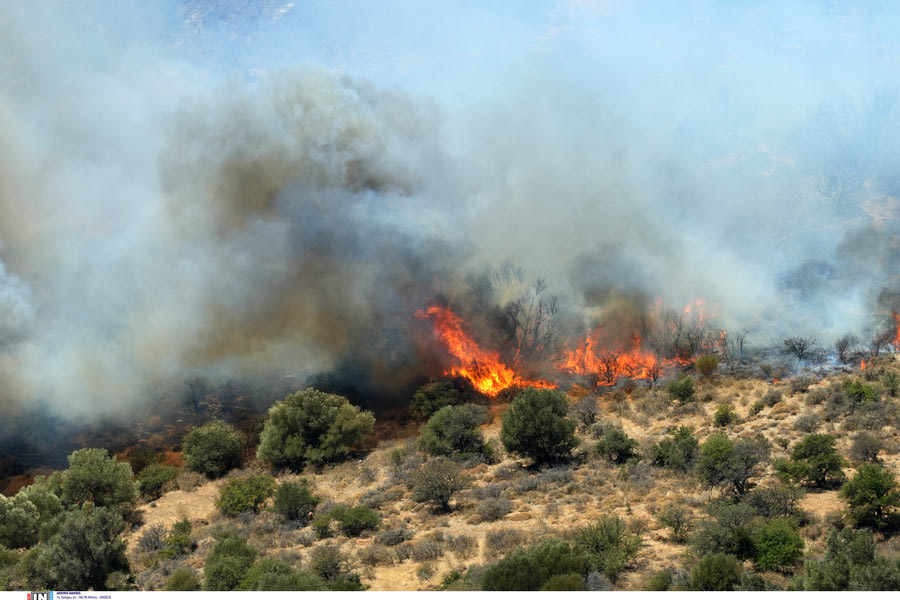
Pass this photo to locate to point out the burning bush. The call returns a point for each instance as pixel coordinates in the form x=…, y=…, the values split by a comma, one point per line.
x=312, y=426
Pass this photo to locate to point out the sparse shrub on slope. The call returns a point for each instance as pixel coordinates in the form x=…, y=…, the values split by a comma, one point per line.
x=312, y=427
x=724, y=415
x=850, y=563
x=453, y=431
x=245, y=493
x=872, y=496
x=716, y=573
x=295, y=501
x=535, y=426
x=213, y=449
x=528, y=569
x=153, y=477
x=814, y=461
x=777, y=545
x=866, y=447
x=608, y=546
x=678, y=451
x=182, y=580
x=730, y=464
x=436, y=481
x=707, y=364
x=432, y=397
x=228, y=562
x=681, y=390
x=615, y=445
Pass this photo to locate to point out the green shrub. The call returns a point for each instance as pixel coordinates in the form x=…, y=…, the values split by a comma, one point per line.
x=772, y=398
x=777, y=544
x=182, y=580
x=453, y=430
x=677, y=517
x=295, y=501
x=608, y=546
x=93, y=476
x=271, y=574
x=716, y=573
x=757, y=407
x=814, y=461
x=681, y=390
x=530, y=568
x=891, y=383
x=432, y=397
x=866, y=447
x=872, y=496
x=20, y=522
x=86, y=550
x=228, y=562
x=859, y=391
x=213, y=449
x=491, y=509
x=660, y=581
x=153, y=477
x=179, y=541
x=616, y=447
x=724, y=415
x=730, y=464
x=707, y=364
x=312, y=427
x=245, y=493
x=328, y=562
x=436, y=481
x=849, y=556
x=535, y=426
x=567, y=582
x=353, y=522
x=678, y=451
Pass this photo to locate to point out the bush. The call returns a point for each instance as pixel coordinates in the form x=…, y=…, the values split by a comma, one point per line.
x=681, y=390
x=20, y=522
x=772, y=397
x=228, y=562
x=432, y=397
x=353, y=522
x=847, y=564
x=716, y=573
x=271, y=574
x=778, y=546
x=153, y=538
x=615, y=446
x=568, y=582
x=93, y=476
x=891, y=383
x=807, y=423
x=706, y=365
x=436, y=481
x=814, y=461
x=245, y=493
x=453, y=430
x=801, y=385
x=153, y=477
x=85, y=551
x=866, y=447
x=392, y=537
x=312, y=427
x=660, y=581
x=585, y=411
x=179, y=540
x=182, y=580
x=328, y=562
x=872, y=496
x=724, y=415
x=213, y=449
x=730, y=464
x=678, y=518
x=535, y=426
x=608, y=546
x=491, y=509
x=295, y=501
x=678, y=451
x=859, y=392
x=528, y=569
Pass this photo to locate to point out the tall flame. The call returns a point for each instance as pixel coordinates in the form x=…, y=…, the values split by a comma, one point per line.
x=591, y=357
x=482, y=367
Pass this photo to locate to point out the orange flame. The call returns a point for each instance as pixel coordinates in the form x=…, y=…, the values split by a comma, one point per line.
x=862, y=364
x=897, y=325
x=590, y=358
x=482, y=367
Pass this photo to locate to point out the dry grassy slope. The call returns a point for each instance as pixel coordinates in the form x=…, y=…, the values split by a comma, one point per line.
x=594, y=489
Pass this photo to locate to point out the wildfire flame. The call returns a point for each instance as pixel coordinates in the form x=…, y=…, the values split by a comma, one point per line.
x=592, y=357
x=897, y=335
x=482, y=367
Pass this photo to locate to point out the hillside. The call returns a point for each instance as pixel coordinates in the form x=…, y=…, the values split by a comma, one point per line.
x=550, y=502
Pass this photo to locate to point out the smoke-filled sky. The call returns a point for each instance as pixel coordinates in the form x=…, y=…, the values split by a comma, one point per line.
x=237, y=187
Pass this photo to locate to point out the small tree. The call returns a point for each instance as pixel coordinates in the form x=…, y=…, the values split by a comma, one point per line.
x=453, y=430
x=814, y=461
x=677, y=517
x=536, y=427
x=312, y=426
x=213, y=449
x=872, y=496
x=153, y=477
x=296, y=501
x=801, y=347
x=529, y=569
x=843, y=344
x=93, y=476
x=436, y=481
x=245, y=493
x=724, y=415
x=728, y=463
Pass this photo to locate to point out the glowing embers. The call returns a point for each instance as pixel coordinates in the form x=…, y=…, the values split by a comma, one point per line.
x=483, y=368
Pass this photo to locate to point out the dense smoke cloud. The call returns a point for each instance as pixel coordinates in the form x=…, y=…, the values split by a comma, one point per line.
x=181, y=193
